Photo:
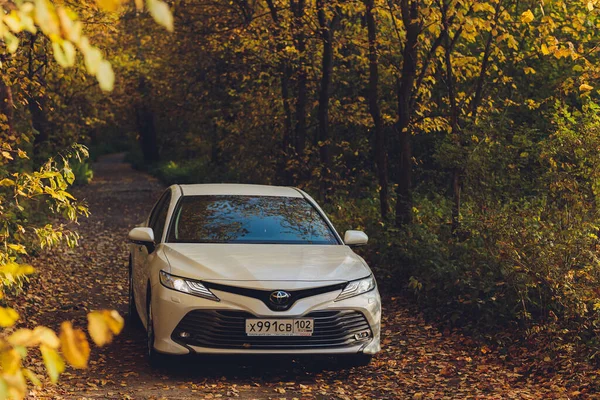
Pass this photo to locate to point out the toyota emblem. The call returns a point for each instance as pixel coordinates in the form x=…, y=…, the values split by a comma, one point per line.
x=280, y=297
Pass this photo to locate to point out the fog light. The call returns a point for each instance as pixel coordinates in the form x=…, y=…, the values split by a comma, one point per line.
x=184, y=335
x=361, y=335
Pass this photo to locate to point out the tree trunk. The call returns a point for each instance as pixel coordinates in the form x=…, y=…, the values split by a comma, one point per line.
x=484, y=66
x=373, y=95
x=215, y=153
x=287, y=112
x=36, y=105
x=405, y=90
x=145, y=124
x=39, y=122
x=302, y=79
x=284, y=69
x=326, y=30
x=454, y=120
x=456, y=192
x=7, y=107
x=301, y=104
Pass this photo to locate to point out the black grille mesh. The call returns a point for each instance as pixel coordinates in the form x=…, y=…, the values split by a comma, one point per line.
x=227, y=330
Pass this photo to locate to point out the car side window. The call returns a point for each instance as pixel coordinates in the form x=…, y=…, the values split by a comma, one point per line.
x=156, y=208
x=160, y=219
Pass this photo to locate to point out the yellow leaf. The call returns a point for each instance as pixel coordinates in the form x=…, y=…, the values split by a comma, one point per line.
x=16, y=384
x=12, y=43
x=46, y=336
x=102, y=325
x=590, y=6
x=74, y=345
x=45, y=17
x=10, y=361
x=527, y=17
x=109, y=5
x=560, y=53
x=529, y=70
x=114, y=321
x=22, y=337
x=585, y=87
x=481, y=6
x=32, y=377
x=161, y=13
x=8, y=317
x=55, y=365
x=92, y=57
x=6, y=154
x=69, y=52
x=19, y=248
x=105, y=76
x=59, y=55
x=7, y=182
x=25, y=269
x=13, y=22
x=545, y=50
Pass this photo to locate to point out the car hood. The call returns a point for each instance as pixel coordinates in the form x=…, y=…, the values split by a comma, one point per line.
x=265, y=262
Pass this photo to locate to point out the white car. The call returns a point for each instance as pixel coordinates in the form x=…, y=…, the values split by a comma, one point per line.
x=231, y=268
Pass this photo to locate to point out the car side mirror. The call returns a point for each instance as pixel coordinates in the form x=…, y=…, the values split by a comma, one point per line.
x=355, y=238
x=142, y=236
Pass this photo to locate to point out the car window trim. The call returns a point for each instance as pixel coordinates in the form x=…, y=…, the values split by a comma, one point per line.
x=173, y=216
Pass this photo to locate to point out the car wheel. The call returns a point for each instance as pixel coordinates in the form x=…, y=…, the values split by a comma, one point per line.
x=133, y=318
x=155, y=358
x=355, y=360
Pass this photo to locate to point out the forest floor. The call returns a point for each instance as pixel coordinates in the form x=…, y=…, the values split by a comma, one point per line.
x=418, y=360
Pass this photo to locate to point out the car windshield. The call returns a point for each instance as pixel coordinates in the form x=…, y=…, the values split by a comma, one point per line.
x=248, y=219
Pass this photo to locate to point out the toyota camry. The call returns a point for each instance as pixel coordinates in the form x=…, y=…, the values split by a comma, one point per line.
x=231, y=268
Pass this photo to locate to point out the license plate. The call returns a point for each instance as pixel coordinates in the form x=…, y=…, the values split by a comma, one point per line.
x=280, y=327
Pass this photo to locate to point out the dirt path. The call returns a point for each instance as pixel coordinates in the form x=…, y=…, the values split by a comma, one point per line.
x=417, y=361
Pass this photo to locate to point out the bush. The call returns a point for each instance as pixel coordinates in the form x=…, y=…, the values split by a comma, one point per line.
x=82, y=171
x=192, y=171
x=135, y=157
x=527, y=248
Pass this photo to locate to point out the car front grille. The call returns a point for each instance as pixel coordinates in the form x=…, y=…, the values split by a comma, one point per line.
x=227, y=330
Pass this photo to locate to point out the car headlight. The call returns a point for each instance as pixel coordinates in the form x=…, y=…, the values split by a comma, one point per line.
x=354, y=288
x=183, y=285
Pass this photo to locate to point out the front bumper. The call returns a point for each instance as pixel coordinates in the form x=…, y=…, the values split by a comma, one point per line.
x=171, y=307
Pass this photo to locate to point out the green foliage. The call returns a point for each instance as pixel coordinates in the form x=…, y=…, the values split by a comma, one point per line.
x=82, y=171
x=193, y=171
x=527, y=248
x=190, y=171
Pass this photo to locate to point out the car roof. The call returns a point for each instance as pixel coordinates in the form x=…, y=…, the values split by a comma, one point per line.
x=237, y=189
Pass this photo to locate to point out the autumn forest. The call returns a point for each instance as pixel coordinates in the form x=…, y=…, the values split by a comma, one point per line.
x=462, y=136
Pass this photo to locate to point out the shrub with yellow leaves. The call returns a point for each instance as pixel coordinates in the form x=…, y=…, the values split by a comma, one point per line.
x=21, y=193
x=25, y=192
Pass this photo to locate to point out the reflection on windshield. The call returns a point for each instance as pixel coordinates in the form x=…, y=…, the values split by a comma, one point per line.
x=248, y=219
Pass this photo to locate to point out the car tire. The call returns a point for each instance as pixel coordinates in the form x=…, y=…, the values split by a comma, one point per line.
x=355, y=360
x=155, y=358
x=133, y=318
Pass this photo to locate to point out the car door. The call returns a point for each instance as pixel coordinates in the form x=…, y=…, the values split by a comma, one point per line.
x=143, y=257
